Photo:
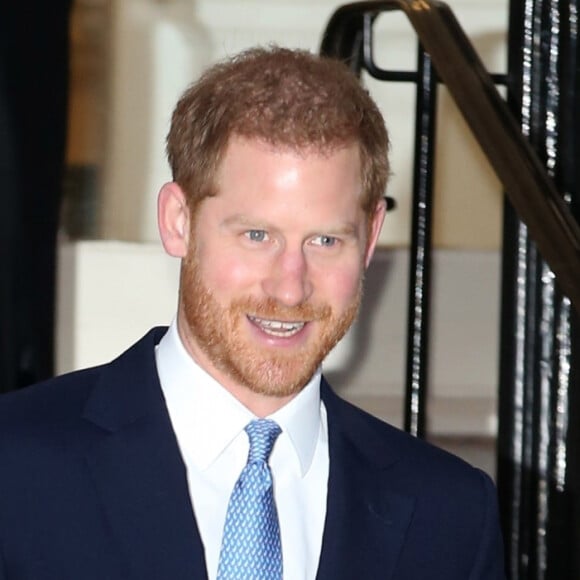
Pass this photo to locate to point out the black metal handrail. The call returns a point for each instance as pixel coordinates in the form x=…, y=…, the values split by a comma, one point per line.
x=538, y=435
x=527, y=184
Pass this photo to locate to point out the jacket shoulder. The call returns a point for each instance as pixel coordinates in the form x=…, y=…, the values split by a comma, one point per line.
x=56, y=403
x=386, y=446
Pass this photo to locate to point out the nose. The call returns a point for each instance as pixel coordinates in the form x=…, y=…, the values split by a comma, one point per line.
x=287, y=280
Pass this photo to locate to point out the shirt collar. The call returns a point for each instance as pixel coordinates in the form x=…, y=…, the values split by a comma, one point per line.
x=202, y=410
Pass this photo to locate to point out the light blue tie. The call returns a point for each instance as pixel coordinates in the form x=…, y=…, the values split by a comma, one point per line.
x=251, y=548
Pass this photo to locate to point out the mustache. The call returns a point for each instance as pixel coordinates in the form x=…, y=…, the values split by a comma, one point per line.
x=271, y=309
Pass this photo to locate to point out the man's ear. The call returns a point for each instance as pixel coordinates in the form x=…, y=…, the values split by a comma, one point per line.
x=173, y=220
x=376, y=223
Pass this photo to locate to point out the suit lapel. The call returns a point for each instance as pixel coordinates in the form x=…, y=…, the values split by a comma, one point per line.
x=139, y=474
x=367, y=519
x=141, y=481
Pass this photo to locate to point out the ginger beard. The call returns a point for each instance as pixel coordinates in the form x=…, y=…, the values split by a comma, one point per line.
x=218, y=331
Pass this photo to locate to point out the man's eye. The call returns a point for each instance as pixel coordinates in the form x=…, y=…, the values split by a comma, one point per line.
x=325, y=241
x=256, y=235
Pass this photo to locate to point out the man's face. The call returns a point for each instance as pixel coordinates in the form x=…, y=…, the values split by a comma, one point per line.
x=272, y=276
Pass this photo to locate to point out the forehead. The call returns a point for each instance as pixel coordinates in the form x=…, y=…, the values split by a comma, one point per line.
x=260, y=155
x=258, y=161
x=257, y=178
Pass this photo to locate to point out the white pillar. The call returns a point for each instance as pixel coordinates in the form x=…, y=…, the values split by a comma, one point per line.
x=157, y=49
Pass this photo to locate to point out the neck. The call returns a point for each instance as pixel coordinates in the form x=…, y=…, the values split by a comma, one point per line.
x=260, y=405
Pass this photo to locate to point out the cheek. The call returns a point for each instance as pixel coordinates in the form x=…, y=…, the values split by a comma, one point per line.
x=338, y=287
x=224, y=274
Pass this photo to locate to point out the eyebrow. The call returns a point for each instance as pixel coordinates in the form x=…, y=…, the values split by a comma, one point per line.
x=347, y=229
x=238, y=218
x=244, y=220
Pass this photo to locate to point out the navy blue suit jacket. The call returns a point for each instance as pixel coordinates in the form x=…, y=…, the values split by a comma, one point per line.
x=93, y=487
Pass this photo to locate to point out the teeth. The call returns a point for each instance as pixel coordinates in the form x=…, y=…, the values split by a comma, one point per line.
x=278, y=327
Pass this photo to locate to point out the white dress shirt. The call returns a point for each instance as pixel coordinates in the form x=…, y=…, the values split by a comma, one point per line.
x=209, y=425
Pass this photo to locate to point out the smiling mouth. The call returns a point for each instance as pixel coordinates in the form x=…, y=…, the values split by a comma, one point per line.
x=278, y=328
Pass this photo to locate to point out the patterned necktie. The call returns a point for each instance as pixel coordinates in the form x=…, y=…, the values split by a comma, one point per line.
x=251, y=548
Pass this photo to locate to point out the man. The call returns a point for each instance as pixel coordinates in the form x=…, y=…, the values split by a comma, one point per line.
x=130, y=470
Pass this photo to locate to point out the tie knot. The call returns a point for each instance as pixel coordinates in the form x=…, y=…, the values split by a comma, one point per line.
x=262, y=433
